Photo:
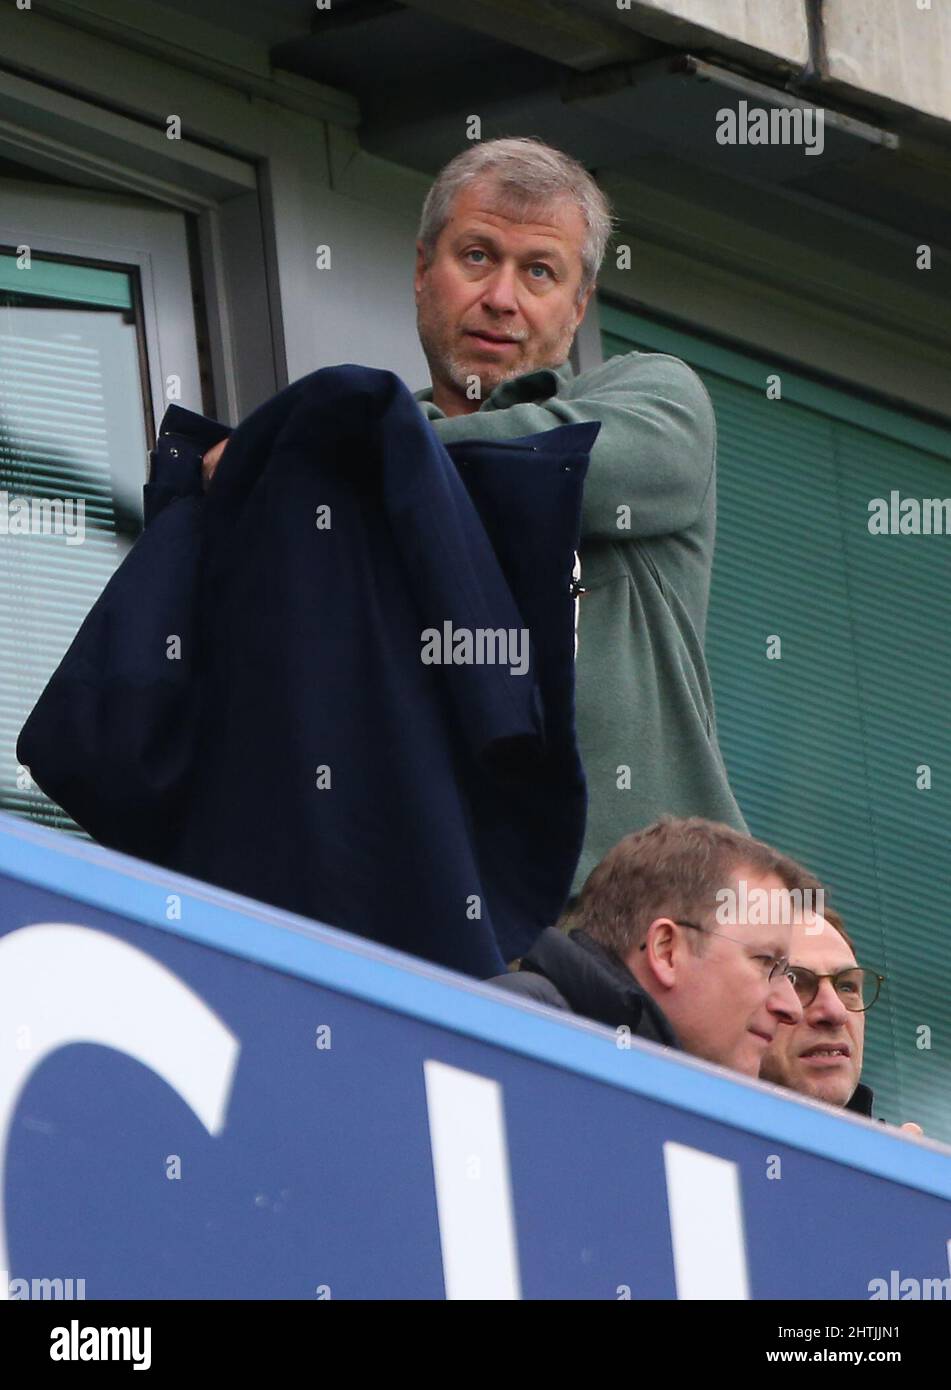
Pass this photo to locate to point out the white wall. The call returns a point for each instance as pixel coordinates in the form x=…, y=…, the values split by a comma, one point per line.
x=892, y=49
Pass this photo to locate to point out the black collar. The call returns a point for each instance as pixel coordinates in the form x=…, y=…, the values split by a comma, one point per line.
x=861, y=1101
x=597, y=984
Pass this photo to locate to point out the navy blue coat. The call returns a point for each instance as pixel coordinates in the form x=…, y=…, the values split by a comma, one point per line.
x=291, y=744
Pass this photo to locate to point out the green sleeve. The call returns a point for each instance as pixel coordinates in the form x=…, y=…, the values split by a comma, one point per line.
x=655, y=451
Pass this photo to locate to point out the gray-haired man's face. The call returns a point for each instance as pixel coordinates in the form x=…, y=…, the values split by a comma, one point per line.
x=499, y=297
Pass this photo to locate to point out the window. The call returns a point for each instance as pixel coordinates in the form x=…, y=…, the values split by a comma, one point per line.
x=95, y=328
x=72, y=439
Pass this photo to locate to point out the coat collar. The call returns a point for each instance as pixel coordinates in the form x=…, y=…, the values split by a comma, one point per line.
x=860, y=1102
x=597, y=985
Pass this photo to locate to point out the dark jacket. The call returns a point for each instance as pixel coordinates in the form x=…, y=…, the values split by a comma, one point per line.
x=247, y=701
x=861, y=1100
x=573, y=972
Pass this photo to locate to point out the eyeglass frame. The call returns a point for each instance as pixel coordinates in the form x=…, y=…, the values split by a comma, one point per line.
x=866, y=969
x=780, y=964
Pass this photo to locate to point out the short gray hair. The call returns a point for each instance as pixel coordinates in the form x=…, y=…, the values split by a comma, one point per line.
x=528, y=174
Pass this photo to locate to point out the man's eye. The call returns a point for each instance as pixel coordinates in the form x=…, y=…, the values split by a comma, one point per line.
x=543, y=268
x=475, y=252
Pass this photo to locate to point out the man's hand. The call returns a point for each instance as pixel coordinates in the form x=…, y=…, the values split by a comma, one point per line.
x=209, y=462
x=911, y=1128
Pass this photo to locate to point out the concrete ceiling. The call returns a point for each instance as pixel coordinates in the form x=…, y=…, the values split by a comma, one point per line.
x=618, y=101
x=625, y=104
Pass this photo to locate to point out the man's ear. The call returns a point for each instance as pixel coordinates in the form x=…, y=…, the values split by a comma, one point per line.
x=657, y=952
x=583, y=306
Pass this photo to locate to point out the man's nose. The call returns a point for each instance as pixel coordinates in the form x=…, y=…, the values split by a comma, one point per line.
x=500, y=293
x=827, y=1007
x=783, y=1001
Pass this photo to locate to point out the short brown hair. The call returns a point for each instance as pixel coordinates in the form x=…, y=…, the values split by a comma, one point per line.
x=835, y=920
x=674, y=868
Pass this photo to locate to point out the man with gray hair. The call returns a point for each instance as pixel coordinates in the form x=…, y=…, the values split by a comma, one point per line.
x=511, y=239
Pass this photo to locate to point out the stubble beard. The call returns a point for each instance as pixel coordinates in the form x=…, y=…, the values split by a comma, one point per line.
x=447, y=363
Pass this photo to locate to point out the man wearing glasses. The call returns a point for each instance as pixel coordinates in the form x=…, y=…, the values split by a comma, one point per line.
x=821, y=1056
x=645, y=952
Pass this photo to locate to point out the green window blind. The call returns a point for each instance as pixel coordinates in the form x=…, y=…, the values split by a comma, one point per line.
x=825, y=745
x=65, y=281
x=72, y=464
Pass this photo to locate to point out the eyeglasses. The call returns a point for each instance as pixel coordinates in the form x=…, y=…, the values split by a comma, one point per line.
x=778, y=965
x=856, y=986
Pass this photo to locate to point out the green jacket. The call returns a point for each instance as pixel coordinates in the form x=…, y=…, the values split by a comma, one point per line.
x=645, y=715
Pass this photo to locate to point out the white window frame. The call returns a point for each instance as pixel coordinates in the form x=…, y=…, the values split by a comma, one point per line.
x=78, y=141
x=151, y=240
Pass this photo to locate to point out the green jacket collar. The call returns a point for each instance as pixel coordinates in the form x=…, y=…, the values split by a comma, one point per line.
x=530, y=386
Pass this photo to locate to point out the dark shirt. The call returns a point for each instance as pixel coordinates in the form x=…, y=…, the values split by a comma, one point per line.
x=571, y=971
x=861, y=1101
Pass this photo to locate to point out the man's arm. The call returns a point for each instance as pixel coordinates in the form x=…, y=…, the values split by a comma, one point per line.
x=654, y=454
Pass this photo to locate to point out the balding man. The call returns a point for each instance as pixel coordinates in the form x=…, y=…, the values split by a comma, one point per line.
x=511, y=238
